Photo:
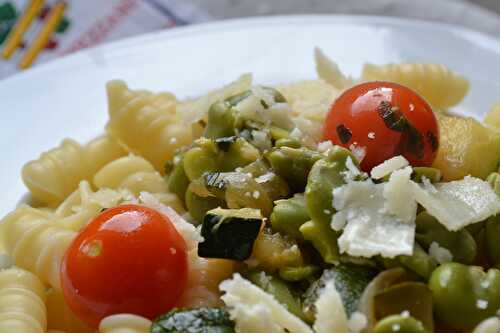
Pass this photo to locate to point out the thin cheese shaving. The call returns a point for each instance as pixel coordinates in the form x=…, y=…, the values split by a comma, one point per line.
x=399, y=197
x=254, y=310
x=460, y=203
x=331, y=316
x=389, y=166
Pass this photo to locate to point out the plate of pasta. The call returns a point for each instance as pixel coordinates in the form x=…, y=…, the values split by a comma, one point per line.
x=291, y=184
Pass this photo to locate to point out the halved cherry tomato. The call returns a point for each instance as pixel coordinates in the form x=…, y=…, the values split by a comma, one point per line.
x=384, y=119
x=129, y=259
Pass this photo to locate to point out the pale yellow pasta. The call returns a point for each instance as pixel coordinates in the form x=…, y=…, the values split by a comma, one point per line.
x=439, y=85
x=131, y=172
x=146, y=124
x=60, y=317
x=34, y=243
x=204, y=278
x=125, y=323
x=22, y=302
x=56, y=174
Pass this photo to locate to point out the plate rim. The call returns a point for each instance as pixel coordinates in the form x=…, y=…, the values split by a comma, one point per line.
x=260, y=21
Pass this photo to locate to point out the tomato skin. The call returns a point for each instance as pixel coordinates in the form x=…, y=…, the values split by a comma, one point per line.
x=358, y=111
x=129, y=259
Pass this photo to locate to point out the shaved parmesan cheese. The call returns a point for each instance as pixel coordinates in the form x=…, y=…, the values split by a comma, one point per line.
x=331, y=316
x=389, y=166
x=459, y=203
x=490, y=325
x=357, y=322
x=352, y=170
x=188, y=231
x=398, y=193
x=329, y=70
x=441, y=254
x=370, y=230
x=254, y=310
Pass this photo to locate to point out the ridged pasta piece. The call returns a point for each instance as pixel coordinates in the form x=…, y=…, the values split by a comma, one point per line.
x=439, y=85
x=60, y=317
x=125, y=323
x=131, y=172
x=329, y=71
x=34, y=243
x=204, y=278
x=22, y=302
x=146, y=124
x=53, y=176
x=84, y=204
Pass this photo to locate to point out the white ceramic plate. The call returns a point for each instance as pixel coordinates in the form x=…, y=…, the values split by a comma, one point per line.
x=66, y=98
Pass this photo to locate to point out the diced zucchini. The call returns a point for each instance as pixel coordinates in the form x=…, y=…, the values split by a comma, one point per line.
x=229, y=233
x=201, y=320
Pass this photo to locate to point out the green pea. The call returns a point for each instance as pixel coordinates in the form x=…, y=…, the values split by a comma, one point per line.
x=293, y=164
x=494, y=180
x=177, y=181
x=465, y=295
x=432, y=174
x=414, y=297
x=493, y=238
x=325, y=176
x=399, y=324
x=198, y=206
x=289, y=215
x=460, y=243
x=324, y=240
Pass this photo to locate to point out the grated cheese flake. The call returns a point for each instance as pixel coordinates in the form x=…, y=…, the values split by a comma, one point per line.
x=357, y=322
x=399, y=197
x=389, y=166
x=441, y=254
x=460, y=203
x=254, y=310
x=331, y=315
x=370, y=230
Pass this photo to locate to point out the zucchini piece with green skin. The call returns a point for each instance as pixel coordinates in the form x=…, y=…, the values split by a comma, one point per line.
x=229, y=233
x=279, y=289
x=350, y=281
x=201, y=320
x=293, y=164
x=289, y=215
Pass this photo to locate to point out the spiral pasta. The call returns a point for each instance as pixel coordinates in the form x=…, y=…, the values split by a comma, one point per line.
x=124, y=323
x=146, y=124
x=35, y=244
x=442, y=87
x=60, y=317
x=56, y=174
x=22, y=302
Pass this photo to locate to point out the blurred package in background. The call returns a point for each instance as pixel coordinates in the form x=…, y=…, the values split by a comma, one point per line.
x=86, y=23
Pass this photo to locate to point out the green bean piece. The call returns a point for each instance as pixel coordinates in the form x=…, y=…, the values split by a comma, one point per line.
x=460, y=243
x=432, y=174
x=419, y=263
x=287, y=142
x=295, y=274
x=293, y=164
x=349, y=280
x=494, y=180
x=177, y=181
x=221, y=121
x=326, y=174
x=279, y=289
x=324, y=240
x=399, y=324
x=465, y=295
x=414, y=297
x=198, y=206
x=289, y=215
x=209, y=155
x=493, y=238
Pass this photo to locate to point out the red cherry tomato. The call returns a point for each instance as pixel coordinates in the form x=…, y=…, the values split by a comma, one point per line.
x=384, y=119
x=129, y=259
